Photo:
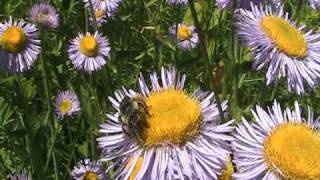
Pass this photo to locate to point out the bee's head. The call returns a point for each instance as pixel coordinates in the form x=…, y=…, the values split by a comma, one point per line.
x=126, y=101
x=129, y=103
x=135, y=105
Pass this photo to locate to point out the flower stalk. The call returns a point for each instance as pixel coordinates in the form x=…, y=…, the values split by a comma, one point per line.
x=206, y=62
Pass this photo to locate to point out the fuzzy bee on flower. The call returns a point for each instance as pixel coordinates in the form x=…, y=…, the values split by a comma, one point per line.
x=133, y=116
x=183, y=138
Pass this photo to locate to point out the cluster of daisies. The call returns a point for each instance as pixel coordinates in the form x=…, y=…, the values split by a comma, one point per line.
x=21, y=46
x=185, y=138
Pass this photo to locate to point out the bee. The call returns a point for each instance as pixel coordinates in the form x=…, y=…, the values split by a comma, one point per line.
x=133, y=116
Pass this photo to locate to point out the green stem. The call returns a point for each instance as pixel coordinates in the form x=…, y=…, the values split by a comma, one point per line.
x=55, y=166
x=95, y=112
x=297, y=13
x=50, y=149
x=49, y=116
x=27, y=124
x=70, y=9
x=93, y=145
x=27, y=139
x=93, y=15
x=68, y=164
x=95, y=95
x=86, y=20
x=263, y=91
x=45, y=80
x=235, y=57
x=206, y=62
x=72, y=139
x=176, y=34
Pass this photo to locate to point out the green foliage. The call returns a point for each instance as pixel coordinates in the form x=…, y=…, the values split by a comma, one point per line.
x=32, y=138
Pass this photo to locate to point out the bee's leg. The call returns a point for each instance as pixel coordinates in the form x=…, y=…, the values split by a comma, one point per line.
x=125, y=129
x=139, y=131
x=144, y=121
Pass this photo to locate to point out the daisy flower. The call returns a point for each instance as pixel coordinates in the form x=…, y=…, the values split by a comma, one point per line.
x=20, y=176
x=177, y=2
x=315, y=4
x=281, y=47
x=88, y=170
x=88, y=52
x=223, y=4
x=186, y=36
x=66, y=104
x=182, y=138
x=279, y=144
x=19, y=45
x=101, y=16
x=245, y=4
x=45, y=15
x=106, y=5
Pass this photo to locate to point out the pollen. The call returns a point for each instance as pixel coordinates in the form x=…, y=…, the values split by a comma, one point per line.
x=136, y=168
x=174, y=118
x=13, y=39
x=65, y=106
x=227, y=173
x=184, y=33
x=285, y=36
x=90, y=176
x=99, y=13
x=89, y=46
x=293, y=149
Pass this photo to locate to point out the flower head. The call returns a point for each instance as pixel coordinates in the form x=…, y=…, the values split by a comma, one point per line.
x=66, y=104
x=223, y=4
x=101, y=16
x=19, y=176
x=281, y=47
x=88, y=52
x=106, y=5
x=186, y=36
x=165, y=132
x=245, y=4
x=177, y=2
x=45, y=15
x=88, y=170
x=315, y=4
x=19, y=45
x=279, y=144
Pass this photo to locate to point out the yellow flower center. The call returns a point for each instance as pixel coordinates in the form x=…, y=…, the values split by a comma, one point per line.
x=13, y=39
x=65, y=106
x=90, y=176
x=285, y=36
x=137, y=167
x=227, y=173
x=184, y=33
x=174, y=117
x=99, y=13
x=294, y=150
x=89, y=46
